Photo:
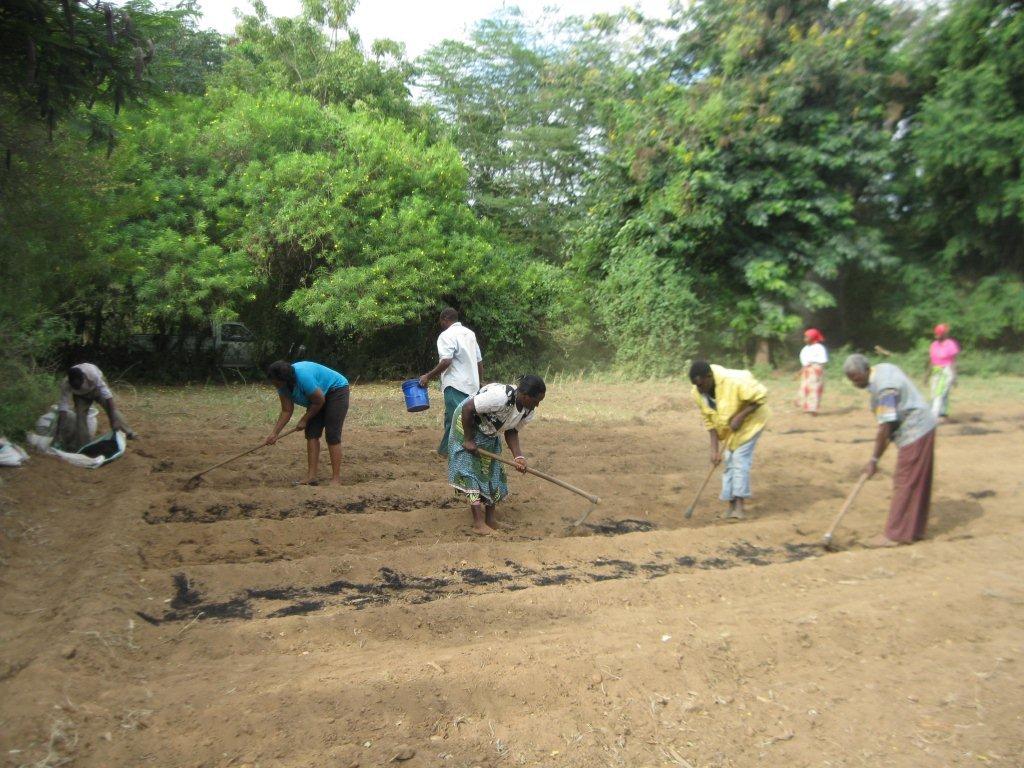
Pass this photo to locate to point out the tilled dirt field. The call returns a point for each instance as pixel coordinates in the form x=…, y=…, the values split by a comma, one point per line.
x=248, y=622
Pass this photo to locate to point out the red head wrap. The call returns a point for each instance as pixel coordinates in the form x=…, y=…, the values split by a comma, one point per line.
x=814, y=336
x=941, y=330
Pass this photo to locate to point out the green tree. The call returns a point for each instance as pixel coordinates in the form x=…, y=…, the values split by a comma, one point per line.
x=960, y=213
x=966, y=137
x=318, y=54
x=65, y=70
x=56, y=56
x=520, y=100
x=188, y=57
x=754, y=169
x=350, y=222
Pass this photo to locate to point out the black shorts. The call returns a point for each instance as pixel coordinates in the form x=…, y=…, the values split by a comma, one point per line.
x=331, y=417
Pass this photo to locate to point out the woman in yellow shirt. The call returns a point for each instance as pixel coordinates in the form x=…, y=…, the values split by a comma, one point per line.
x=734, y=412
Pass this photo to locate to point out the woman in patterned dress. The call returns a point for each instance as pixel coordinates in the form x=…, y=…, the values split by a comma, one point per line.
x=497, y=409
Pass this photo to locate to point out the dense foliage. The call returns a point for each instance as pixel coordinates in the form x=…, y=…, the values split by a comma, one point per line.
x=751, y=166
x=617, y=189
x=352, y=223
x=963, y=191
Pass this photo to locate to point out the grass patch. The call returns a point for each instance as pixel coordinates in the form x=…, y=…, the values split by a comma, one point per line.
x=605, y=398
x=378, y=404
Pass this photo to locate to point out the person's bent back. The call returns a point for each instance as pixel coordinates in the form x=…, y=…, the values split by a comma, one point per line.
x=83, y=386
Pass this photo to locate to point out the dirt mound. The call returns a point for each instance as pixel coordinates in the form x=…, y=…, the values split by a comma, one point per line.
x=250, y=622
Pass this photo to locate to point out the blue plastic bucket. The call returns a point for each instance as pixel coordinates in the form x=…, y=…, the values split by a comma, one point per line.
x=416, y=397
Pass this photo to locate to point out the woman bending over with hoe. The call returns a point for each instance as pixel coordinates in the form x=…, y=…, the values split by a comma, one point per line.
x=324, y=394
x=476, y=424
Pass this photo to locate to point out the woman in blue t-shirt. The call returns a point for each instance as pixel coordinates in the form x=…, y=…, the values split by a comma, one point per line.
x=324, y=393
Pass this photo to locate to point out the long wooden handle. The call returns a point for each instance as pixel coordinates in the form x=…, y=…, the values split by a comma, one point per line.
x=235, y=458
x=689, y=510
x=543, y=476
x=846, y=505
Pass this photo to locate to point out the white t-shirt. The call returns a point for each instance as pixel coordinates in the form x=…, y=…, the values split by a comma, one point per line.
x=813, y=354
x=458, y=343
x=94, y=387
x=496, y=406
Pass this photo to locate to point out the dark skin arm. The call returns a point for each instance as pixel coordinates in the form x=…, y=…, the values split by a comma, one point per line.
x=469, y=426
x=741, y=415
x=716, y=449
x=316, y=403
x=469, y=430
x=735, y=423
x=443, y=366
x=512, y=440
x=108, y=406
x=882, y=439
x=61, y=418
x=436, y=371
x=115, y=419
x=287, y=408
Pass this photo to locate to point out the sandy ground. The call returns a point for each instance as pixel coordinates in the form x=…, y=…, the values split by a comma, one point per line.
x=366, y=626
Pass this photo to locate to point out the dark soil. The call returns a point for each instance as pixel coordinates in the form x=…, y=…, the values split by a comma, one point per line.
x=391, y=585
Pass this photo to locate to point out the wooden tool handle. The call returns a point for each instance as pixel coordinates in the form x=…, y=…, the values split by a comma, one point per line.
x=689, y=510
x=243, y=453
x=846, y=505
x=543, y=476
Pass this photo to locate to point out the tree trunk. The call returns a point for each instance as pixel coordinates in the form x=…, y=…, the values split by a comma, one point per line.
x=97, y=324
x=763, y=355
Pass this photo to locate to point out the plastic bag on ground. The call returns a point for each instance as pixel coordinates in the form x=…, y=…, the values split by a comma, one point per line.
x=11, y=455
x=93, y=455
x=46, y=425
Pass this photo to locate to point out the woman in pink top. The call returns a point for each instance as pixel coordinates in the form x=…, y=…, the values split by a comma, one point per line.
x=942, y=363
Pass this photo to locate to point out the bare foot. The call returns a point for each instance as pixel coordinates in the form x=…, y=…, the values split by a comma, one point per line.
x=880, y=541
x=335, y=481
x=480, y=525
x=307, y=481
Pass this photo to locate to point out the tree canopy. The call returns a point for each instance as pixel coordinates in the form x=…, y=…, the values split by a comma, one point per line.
x=588, y=191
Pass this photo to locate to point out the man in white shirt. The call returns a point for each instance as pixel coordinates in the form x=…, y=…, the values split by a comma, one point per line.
x=83, y=386
x=460, y=367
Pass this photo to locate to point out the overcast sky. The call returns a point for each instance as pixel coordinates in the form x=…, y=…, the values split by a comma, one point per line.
x=422, y=23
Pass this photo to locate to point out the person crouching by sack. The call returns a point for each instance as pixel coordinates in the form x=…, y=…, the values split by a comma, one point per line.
x=477, y=423
x=324, y=393
x=84, y=386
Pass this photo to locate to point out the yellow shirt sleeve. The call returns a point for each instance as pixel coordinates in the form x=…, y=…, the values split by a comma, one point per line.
x=705, y=416
x=752, y=391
